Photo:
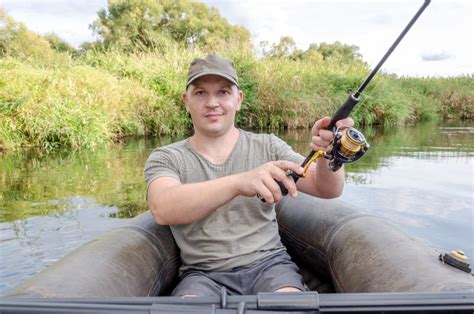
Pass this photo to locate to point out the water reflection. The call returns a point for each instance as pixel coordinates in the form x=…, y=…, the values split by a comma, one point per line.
x=52, y=204
x=35, y=184
x=421, y=178
x=30, y=245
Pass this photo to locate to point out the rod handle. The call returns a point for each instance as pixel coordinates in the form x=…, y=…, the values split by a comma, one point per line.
x=344, y=111
x=283, y=188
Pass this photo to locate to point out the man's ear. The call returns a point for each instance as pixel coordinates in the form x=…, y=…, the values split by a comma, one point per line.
x=184, y=96
x=241, y=98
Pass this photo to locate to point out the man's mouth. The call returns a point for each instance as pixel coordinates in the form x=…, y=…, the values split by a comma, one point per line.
x=213, y=114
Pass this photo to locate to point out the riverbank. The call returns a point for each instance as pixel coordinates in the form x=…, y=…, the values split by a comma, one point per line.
x=84, y=99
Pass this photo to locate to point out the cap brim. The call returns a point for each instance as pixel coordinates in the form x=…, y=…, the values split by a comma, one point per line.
x=212, y=72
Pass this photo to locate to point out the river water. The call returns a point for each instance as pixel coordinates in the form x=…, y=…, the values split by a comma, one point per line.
x=420, y=178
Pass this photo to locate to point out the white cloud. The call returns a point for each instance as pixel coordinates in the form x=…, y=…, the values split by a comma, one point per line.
x=68, y=19
x=369, y=24
x=436, y=55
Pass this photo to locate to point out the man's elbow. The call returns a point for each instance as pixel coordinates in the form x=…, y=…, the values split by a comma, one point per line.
x=333, y=195
x=334, y=192
x=156, y=212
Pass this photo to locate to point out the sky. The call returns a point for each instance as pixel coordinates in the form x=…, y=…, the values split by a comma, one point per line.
x=439, y=44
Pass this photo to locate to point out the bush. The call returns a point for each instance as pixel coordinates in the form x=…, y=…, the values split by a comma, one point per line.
x=50, y=99
x=72, y=107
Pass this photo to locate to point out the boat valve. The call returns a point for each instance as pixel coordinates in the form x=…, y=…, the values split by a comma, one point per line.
x=456, y=259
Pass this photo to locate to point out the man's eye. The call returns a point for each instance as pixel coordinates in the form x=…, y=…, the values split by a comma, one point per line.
x=225, y=92
x=199, y=92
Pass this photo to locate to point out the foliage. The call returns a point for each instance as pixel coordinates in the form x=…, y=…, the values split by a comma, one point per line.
x=132, y=24
x=337, y=50
x=287, y=49
x=53, y=97
x=58, y=44
x=72, y=107
x=17, y=41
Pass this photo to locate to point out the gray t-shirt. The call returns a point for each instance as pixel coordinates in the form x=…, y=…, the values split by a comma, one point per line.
x=238, y=233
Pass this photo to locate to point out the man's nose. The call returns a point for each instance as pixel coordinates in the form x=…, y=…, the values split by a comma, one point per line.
x=212, y=102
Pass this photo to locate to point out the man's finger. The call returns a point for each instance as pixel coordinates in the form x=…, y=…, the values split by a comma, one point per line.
x=282, y=178
x=315, y=147
x=321, y=144
x=290, y=186
x=265, y=193
x=326, y=135
x=321, y=124
x=288, y=165
x=273, y=188
x=346, y=121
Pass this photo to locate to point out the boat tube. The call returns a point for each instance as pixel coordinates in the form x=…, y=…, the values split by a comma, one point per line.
x=337, y=246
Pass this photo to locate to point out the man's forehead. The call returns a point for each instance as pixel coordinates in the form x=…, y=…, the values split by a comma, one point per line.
x=210, y=80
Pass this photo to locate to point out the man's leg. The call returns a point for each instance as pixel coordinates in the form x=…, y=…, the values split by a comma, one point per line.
x=288, y=289
x=196, y=284
x=277, y=273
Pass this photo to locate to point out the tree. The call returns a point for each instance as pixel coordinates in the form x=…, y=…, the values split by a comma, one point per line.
x=286, y=48
x=58, y=44
x=144, y=23
x=17, y=41
x=336, y=50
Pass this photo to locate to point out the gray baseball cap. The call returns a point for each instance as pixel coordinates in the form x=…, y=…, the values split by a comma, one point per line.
x=212, y=64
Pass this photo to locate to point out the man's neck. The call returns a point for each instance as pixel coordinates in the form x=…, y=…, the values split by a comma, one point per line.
x=216, y=149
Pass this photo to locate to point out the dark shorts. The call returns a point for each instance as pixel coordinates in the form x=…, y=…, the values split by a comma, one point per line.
x=266, y=275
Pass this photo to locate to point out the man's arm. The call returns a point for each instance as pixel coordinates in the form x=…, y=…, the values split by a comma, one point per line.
x=174, y=203
x=322, y=182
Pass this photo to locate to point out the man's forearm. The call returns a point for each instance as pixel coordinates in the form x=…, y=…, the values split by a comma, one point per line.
x=322, y=182
x=186, y=203
x=330, y=184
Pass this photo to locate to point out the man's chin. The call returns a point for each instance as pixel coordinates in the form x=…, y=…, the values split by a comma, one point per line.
x=215, y=131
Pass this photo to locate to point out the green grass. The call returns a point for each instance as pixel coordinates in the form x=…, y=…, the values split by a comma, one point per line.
x=52, y=100
x=73, y=106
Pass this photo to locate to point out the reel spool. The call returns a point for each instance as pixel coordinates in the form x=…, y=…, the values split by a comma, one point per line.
x=349, y=145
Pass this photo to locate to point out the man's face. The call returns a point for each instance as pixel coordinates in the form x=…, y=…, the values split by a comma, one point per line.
x=212, y=102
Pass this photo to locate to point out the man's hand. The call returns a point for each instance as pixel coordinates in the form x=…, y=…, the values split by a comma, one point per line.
x=261, y=180
x=321, y=138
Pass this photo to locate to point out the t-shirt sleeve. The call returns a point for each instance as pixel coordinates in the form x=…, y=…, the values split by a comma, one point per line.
x=161, y=163
x=282, y=151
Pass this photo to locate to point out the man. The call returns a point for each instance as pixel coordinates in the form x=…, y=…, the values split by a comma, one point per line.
x=205, y=188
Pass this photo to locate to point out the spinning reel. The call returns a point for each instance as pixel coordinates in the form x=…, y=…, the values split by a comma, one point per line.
x=348, y=145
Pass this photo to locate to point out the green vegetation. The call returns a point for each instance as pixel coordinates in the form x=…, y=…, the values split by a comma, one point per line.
x=150, y=24
x=130, y=82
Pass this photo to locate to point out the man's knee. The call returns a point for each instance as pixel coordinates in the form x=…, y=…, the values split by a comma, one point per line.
x=287, y=289
x=196, y=284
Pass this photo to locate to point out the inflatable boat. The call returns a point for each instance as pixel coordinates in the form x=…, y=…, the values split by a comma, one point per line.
x=340, y=249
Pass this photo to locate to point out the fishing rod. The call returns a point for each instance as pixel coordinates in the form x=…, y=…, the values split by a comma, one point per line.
x=348, y=144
